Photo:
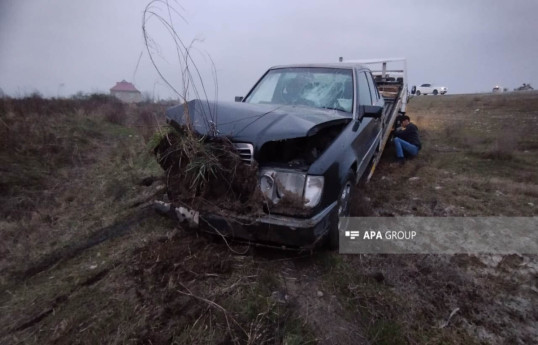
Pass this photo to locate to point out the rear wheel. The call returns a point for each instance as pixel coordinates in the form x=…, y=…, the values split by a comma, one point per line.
x=342, y=210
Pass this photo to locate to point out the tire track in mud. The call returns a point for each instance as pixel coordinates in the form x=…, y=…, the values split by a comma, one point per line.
x=36, y=319
x=33, y=320
x=107, y=233
x=71, y=251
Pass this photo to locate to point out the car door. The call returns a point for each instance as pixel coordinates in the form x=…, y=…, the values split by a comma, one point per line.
x=426, y=88
x=369, y=128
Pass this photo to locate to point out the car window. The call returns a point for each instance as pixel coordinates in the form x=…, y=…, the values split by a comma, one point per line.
x=328, y=88
x=364, y=90
x=266, y=90
x=373, y=89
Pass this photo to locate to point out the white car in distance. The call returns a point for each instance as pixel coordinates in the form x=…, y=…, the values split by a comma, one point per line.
x=429, y=89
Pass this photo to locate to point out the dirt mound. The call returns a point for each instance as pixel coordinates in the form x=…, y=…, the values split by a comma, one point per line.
x=207, y=173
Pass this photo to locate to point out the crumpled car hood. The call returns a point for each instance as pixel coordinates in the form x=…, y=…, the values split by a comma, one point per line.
x=255, y=123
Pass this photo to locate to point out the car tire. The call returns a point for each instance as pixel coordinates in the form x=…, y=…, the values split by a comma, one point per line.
x=342, y=210
x=435, y=92
x=418, y=93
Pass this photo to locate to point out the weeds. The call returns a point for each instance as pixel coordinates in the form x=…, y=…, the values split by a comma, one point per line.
x=114, y=113
x=61, y=164
x=201, y=170
x=365, y=296
x=69, y=175
x=205, y=171
x=500, y=150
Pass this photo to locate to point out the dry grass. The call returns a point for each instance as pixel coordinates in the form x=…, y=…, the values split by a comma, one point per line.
x=66, y=170
x=478, y=159
x=471, y=142
x=83, y=261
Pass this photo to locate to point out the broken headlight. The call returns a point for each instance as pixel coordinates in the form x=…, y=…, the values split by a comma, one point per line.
x=300, y=189
x=313, y=189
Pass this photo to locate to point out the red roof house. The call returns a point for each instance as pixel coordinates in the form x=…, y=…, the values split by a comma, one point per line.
x=126, y=92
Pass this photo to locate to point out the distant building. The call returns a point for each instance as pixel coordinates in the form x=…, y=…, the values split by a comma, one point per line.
x=126, y=92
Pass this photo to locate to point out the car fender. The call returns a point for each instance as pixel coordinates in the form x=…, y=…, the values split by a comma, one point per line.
x=352, y=149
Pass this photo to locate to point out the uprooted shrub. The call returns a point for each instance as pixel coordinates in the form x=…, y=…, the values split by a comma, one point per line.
x=206, y=173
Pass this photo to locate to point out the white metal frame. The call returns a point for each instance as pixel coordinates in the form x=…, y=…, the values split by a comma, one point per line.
x=383, y=62
x=400, y=105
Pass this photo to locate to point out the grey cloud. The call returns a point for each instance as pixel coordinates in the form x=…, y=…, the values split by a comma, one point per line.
x=61, y=47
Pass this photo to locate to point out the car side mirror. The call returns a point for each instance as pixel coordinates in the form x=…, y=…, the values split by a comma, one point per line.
x=373, y=111
x=239, y=98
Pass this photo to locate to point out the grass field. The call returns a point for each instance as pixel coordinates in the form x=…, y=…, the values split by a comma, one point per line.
x=83, y=259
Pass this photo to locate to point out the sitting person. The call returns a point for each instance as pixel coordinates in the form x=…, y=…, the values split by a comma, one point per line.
x=293, y=92
x=406, y=140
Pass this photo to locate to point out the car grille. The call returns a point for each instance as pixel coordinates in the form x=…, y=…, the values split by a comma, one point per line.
x=245, y=151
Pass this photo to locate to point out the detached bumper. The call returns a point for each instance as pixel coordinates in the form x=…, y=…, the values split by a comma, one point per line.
x=273, y=230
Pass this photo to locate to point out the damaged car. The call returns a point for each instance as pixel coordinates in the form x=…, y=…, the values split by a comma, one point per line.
x=309, y=132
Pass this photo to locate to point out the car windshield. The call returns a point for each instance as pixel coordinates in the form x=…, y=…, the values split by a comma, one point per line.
x=328, y=88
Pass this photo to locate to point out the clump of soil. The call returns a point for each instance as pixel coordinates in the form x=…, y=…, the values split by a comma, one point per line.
x=206, y=173
x=170, y=258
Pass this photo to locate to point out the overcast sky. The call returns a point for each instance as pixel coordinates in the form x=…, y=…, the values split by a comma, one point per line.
x=60, y=47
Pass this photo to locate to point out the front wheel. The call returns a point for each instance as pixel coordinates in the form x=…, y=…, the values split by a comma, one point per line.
x=435, y=92
x=342, y=209
x=418, y=93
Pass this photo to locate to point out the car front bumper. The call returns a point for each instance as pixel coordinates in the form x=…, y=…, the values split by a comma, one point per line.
x=271, y=230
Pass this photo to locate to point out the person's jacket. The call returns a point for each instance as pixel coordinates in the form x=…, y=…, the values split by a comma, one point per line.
x=409, y=134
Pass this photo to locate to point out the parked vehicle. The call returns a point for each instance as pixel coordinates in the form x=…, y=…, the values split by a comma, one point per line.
x=524, y=87
x=429, y=89
x=499, y=89
x=313, y=130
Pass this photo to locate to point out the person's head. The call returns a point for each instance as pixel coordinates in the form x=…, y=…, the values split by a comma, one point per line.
x=294, y=88
x=405, y=120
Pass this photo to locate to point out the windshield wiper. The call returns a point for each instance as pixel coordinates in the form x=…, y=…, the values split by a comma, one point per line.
x=333, y=108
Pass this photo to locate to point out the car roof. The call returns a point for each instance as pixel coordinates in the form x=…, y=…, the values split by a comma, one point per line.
x=340, y=65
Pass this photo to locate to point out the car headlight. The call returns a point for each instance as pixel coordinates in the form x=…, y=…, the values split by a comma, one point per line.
x=276, y=185
x=313, y=190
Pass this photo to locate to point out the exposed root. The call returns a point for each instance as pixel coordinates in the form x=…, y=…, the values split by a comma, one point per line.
x=226, y=241
x=206, y=173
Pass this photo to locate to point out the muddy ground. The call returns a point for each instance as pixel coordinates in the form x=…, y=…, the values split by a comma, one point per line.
x=84, y=260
